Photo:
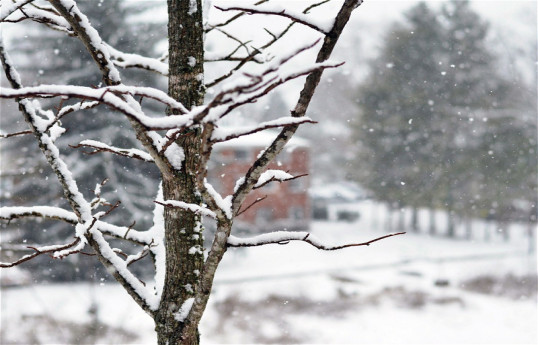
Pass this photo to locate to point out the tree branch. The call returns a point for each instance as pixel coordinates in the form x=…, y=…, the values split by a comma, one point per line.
x=44, y=250
x=278, y=11
x=221, y=135
x=284, y=237
x=102, y=147
x=9, y=135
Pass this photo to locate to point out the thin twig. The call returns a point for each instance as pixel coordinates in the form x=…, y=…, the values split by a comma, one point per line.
x=307, y=238
x=258, y=200
x=39, y=252
x=9, y=135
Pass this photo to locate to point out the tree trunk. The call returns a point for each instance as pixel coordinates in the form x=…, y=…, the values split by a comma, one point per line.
x=468, y=227
x=183, y=229
x=401, y=219
x=450, y=226
x=414, y=220
x=388, y=222
x=433, y=226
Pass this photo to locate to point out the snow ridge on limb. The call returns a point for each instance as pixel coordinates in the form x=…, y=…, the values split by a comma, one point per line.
x=57, y=213
x=102, y=147
x=222, y=134
x=284, y=237
x=128, y=60
x=8, y=7
x=186, y=206
x=274, y=175
x=42, y=15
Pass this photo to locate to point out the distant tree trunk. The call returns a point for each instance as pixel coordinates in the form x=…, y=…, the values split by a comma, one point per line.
x=414, y=220
x=433, y=225
x=487, y=231
x=468, y=227
x=531, y=235
x=504, y=228
x=450, y=226
x=388, y=224
x=183, y=229
x=401, y=219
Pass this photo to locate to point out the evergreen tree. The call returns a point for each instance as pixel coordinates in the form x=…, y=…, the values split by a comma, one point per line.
x=431, y=111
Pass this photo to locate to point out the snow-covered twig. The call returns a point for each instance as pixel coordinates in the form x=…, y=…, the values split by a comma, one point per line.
x=8, y=7
x=98, y=94
x=186, y=206
x=272, y=9
x=102, y=147
x=14, y=212
x=211, y=27
x=44, y=250
x=127, y=60
x=275, y=175
x=39, y=15
x=220, y=135
x=284, y=237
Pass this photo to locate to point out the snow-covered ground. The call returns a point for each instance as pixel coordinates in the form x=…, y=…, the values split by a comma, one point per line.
x=411, y=289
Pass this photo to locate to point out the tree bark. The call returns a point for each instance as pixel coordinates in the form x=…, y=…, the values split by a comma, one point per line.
x=183, y=229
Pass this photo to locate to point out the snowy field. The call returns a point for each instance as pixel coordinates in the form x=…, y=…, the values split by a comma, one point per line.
x=410, y=289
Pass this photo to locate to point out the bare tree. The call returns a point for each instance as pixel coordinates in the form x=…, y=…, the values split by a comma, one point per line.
x=179, y=143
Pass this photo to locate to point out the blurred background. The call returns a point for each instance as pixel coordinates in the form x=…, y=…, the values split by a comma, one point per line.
x=430, y=127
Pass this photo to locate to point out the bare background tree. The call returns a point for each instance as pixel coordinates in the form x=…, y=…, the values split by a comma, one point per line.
x=179, y=143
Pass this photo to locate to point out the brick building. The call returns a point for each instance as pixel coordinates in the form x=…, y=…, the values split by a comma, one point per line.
x=287, y=204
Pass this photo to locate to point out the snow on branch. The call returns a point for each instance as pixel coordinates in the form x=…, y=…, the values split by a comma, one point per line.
x=284, y=237
x=275, y=175
x=221, y=134
x=127, y=60
x=210, y=27
x=197, y=209
x=253, y=86
x=57, y=251
x=274, y=9
x=93, y=93
x=8, y=7
x=102, y=147
x=14, y=212
x=45, y=16
x=108, y=96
